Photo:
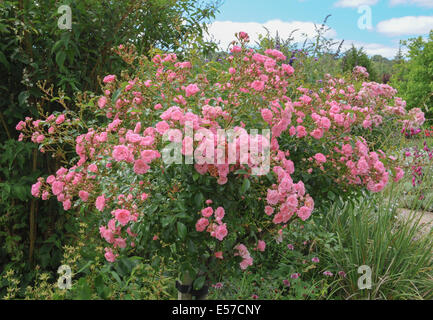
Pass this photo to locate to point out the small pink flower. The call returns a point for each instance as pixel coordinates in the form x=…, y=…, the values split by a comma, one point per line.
x=36, y=189
x=267, y=115
x=60, y=119
x=84, y=195
x=93, y=168
x=221, y=232
x=304, y=213
x=122, y=215
x=288, y=69
x=269, y=210
x=320, y=158
x=162, y=127
x=258, y=85
x=109, y=255
x=201, y=224
x=121, y=153
x=261, y=246
x=140, y=166
x=272, y=197
x=100, y=203
x=57, y=187
x=218, y=285
x=207, y=212
x=191, y=90
x=67, y=204
x=301, y=131
x=20, y=126
x=219, y=213
x=219, y=255
x=109, y=78
x=315, y=260
x=102, y=101
x=40, y=138
x=45, y=195
x=246, y=262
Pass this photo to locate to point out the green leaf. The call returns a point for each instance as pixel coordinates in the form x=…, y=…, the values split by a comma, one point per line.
x=199, y=283
x=100, y=287
x=56, y=46
x=22, y=97
x=198, y=199
x=181, y=230
x=116, y=95
x=116, y=276
x=331, y=195
x=83, y=290
x=60, y=59
x=4, y=61
x=245, y=186
x=195, y=176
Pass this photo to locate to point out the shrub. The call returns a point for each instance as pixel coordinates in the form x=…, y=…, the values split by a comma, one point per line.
x=133, y=162
x=414, y=77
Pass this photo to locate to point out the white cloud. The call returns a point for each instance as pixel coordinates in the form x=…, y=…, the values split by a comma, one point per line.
x=355, y=3
x=421, y=3
x=408, y=25
x=358, y=3
x=372, y=48
x=224, y=31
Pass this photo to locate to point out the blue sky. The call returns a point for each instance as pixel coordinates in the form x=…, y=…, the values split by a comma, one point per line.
x=391, y=20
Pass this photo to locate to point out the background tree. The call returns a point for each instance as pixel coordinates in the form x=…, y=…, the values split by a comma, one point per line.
x=357, y=57
x=414, y=76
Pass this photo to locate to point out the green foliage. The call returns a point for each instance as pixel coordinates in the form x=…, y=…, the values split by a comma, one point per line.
x=357, y=57
x=383, y=67
x=414, y=77
x=370, y=231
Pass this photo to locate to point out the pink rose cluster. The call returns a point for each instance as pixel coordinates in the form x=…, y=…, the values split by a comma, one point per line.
x=287, y=198
x=210, y=155
x=243, y=252
x=215, y=227
x=364, y=167
x=39, y=130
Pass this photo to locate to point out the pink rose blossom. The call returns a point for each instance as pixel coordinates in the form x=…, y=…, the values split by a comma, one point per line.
x=109, y=78
x=100, y=203
x=84, y=195
x=140, y=166
x=201, y=224
x=122, y=215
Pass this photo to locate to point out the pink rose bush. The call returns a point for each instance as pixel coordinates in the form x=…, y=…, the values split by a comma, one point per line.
x=252, y=182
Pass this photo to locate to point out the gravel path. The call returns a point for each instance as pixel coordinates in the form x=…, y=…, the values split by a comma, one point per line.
x=425, y=222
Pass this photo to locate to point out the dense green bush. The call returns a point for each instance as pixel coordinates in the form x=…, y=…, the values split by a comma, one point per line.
x=414, y=76
x=357, y=57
